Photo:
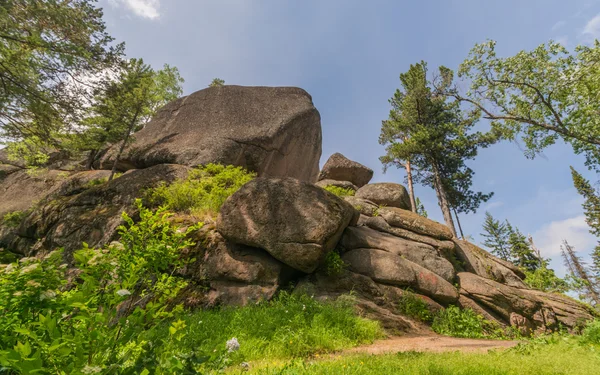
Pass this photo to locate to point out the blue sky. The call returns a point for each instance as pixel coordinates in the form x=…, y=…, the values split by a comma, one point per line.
x=348, y=55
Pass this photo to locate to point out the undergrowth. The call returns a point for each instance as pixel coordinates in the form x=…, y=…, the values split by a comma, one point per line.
x=13, y=219
x=340, y=191
x=203, y=192
x=457, y=322
x=415, y=307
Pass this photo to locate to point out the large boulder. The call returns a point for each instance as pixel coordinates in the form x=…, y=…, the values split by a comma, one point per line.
x=409, y=220
x=391, y=269
x=91, y=216
x=385, y=194
x=340, y=168
x=363, y=206
x=296, y=222
x=484, y=264
x=274, y=131
x=20, y=190
x=422, y=254
x=341, y=184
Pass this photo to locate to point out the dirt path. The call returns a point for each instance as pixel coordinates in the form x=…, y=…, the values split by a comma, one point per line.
x=431, y=343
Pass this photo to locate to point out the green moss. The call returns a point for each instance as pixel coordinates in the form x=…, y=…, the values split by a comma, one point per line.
x=13, y=219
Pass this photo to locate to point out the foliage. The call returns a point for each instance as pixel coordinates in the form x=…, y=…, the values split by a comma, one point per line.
x=591, y=333
x=433, y=133
x=582, y=280
x=543, y=95
x=521, y=253
x=51, y=323
x=334, y=265
x=457, y=322
x=591, y=209
x=340, y=191
x=203, y=192
x=290, y=325
x=48, y=49
x=413, y=306
x=562, y=356
x=420, y=207
x=126, y=103
x=544, y=279
x=496, y=237
x=217, y=82
x=13, y=219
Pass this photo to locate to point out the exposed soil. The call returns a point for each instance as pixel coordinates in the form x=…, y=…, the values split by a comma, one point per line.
x=431, y=343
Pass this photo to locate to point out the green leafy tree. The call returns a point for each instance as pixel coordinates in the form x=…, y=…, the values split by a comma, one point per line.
x=433, y=134
x=217, y=82
x=126, y=104
x=591, y=209
x=47, y=50
x=543, y=95
x=496, y=237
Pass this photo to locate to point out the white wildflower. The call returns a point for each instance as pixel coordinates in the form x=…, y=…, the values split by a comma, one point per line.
x=29, y=268
x=232, y=345
x=303, y=307
x=9, y=268
x=91, y=369
x=49, y=294
x=245, y=366
x=33, y=284
x=123, y=292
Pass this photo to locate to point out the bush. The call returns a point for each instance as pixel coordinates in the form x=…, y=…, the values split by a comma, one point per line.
x=457, y=322
x=13, y=219
x=545, y=279
x=340, y=191
x=203, y=192
x=95, y=323
x=413, y=306
x=334, y=265
x=591, y=333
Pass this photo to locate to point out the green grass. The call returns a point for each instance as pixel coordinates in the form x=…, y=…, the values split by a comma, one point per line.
x=415, y=307
x=288, y=326
x=566, y=357
x=203, y=192
x=339, y=191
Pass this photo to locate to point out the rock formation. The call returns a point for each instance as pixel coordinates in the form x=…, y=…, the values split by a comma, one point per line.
x=279, y=229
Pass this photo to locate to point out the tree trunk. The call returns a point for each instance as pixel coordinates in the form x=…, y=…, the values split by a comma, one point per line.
x=129, y=130
x=462, y=235
x=443, y=199
x=411, y=189
x=91, y=159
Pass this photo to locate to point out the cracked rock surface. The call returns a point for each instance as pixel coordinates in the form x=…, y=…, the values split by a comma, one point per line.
x=274, y=131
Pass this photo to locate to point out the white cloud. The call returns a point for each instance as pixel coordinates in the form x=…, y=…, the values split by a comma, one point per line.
x=142, y=8
x=558, y=25
x=564, y=40
x=575, y=230
x=492, y=205
x=592, y=28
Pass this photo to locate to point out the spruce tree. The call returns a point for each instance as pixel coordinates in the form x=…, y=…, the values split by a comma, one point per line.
x=496, y=237
x=591, y=209
x=587, y=286
x=521, y=252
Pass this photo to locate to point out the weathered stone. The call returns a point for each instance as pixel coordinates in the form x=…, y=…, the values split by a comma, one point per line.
x=363, y=206
x=91, y=216
x=340, y=168
x=484, y=264
x=419, y=253
x=388, y=268
x=296, y=222
x=274, y=131
x=379, y=223
x=467, y=303
x=238, y=294
x=340, y=184
x=527, y=310
x=385, y=194
x=413, y=222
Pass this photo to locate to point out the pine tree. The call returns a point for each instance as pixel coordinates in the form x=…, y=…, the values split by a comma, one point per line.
x=432, y=133
x=496, y=237
x=578, y=270
x=521, y=252
x=591, y=209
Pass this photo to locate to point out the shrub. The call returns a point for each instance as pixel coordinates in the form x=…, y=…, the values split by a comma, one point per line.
x=457, y=322
x=413, y=306
x=13, y=219
x=340, y=191
x=95, y=324
x=203, y=192
x=591, y=333
x=545, y=279
x=334, y=265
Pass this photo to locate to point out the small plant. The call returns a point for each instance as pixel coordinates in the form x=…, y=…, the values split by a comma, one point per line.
x=413, y=306
x=13, y=219
x=457, y=322
x=203, y=192
x=217, y=82
x=340, y=191
x=334, y=265
x=96, y=182
x=545, y=279
x=591, y=333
